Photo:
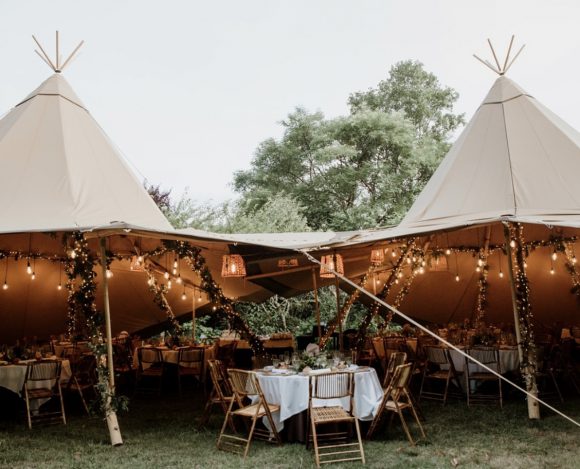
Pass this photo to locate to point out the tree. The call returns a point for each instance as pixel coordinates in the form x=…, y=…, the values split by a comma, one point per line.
x=362, y=170
x=416, y=93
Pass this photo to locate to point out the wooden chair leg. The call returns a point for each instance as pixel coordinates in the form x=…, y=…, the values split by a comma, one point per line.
x=250, y=435
x=315, y=442
x=61, y=404
x=28, y=408
x=422, y=383
x=405, y=427
x=360, y=445
x=446, y=388
x=227, y=417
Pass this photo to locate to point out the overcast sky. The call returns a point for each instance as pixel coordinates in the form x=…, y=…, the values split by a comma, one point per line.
x=187, y=89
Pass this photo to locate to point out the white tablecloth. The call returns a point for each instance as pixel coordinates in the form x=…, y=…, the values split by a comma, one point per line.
x=12, y=377
x=508, y=358
x=291, y=394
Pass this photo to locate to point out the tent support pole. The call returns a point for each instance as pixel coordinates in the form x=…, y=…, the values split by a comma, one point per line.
x=340, y=334
x=316, y=304
x=193, y=317
x=530, y=378
x=111, y=416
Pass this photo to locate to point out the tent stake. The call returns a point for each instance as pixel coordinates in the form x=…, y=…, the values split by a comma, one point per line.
x=111, y=416
x=533, y=406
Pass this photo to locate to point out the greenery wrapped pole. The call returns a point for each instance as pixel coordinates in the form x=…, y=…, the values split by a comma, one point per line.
x=111, y=416
x=316, y=304
x=522, y=313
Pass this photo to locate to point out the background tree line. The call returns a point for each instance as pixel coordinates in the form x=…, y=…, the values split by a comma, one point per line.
x=362, y=170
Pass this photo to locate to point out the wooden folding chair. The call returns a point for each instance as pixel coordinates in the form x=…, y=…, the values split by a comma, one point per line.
x=83, y=378
x=396, y=398
x=439, y=367
x=488, y=356
x=42, y=382
x=245, y=386
x=190, y=363
x=221, y=393
x=333, y=386
x=225, y=353
x=396, y=359
x=151, y=368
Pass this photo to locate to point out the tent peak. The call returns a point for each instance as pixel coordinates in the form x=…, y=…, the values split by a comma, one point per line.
x=504, y=90
x=500, y=68
x=55, y=85
x=57, y=65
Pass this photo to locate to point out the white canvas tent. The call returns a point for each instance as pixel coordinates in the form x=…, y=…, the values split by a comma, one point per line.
x=59, y=172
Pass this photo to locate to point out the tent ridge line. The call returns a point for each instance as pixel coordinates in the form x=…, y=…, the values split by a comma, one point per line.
x=510, y=161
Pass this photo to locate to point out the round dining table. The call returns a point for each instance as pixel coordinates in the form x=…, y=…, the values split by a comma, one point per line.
x=291, y=391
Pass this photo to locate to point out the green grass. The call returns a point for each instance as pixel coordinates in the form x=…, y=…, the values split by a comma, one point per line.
x=164, y=433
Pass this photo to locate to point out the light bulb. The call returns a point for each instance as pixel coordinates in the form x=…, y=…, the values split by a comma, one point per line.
x=480, y=262
x=400, y=275
x=169, y=285
x=184, y=296
x=109, y=273
x=525, y=265
x=500, y=274
x=166, y=275
x=73, y=254
x=457, y=278
x=552, y=272
x=140, y=259
x=478, y=269
x=512, y=243
x=554, y=256
x=393, y=254
x=33, y=276
x=448, y=251
x=178, y=280
x=397, y=281
x=175, y=264
x=421, y=270
x=150, y=281
x=59, y=287
x=214, y=308
x=28, y=268
x=5, y=286
x=174, y=271
x=408, y=260
x=199, y=299
x=574, y=260
x=423, y=263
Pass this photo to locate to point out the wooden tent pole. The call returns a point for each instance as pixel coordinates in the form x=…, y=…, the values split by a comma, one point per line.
x=111, y=416
x=340, y=334
x=193, y=305
x=533, y=406
x=316, y=304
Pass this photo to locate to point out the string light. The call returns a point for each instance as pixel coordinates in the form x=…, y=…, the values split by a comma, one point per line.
x=457, y=278
x=199, y=297
x=59, y=287
x=33, y=276
x=554, y=256
x=169, y=284
x=5, y=286
x=183, y=295
x=109, y=273
x=179, y=280
x=447, y=252
x=166, y=275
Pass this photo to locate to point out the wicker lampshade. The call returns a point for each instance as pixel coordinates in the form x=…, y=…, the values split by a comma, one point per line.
x=377, y=256
x=335, y=262
x=233, y=266
x=287, y=263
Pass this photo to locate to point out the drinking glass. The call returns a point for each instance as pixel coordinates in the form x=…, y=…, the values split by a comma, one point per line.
x=286, y=358
x=275, y=362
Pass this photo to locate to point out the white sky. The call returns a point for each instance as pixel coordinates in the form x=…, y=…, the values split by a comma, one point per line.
x=187, y=89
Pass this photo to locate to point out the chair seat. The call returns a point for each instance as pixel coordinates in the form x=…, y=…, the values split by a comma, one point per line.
x=439, y=374
x=187, y=370
x=250, y=411
x=483, y=376
x=329, y=414
x=41, y=393
x=390, y=405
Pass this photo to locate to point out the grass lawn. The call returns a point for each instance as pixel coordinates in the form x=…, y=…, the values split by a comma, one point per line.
x=164, y=433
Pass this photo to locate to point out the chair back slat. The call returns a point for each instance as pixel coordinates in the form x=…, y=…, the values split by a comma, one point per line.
x=190, y=355
x=401, y=377
x=379, y=347
x=485, y=355
x=244, y=383
x=149, y=355
x=219, y=379
x=332, y=385
x=437, y=355
x=396, y=359
x=43, y=370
